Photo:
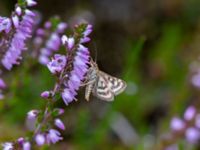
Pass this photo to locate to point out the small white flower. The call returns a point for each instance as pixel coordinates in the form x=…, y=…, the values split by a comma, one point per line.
x=31, y=2
x=64, y=39
x=7, y=146
x=18, y=10
x=69, y=42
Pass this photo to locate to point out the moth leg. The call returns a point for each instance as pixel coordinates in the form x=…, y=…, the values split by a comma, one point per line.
x=88, y=91
x=86, y=83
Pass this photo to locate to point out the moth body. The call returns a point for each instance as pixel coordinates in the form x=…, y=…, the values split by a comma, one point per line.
x=102, y=85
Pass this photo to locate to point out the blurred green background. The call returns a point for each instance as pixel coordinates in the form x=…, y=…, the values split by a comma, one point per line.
x=148, y=43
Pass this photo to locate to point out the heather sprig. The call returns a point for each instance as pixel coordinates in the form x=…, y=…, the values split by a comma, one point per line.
x=14, y=33
x=69, y=70
x=187, y=128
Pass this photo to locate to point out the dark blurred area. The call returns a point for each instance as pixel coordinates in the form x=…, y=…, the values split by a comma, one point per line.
x=148, y=43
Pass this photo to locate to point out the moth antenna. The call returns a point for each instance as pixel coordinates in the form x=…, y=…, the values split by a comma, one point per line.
x=95, y=48
x=92, y=62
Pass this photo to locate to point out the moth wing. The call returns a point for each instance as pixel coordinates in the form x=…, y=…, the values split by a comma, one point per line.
x=116, y=85
x=102, y=90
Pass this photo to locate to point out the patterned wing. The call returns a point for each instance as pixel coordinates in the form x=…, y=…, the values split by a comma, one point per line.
x=116, y=85
x=102, y=90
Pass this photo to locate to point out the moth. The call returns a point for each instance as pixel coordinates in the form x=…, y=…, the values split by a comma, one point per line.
x=102, y=85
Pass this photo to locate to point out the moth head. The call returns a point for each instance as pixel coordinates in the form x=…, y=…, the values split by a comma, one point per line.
x=93, y=64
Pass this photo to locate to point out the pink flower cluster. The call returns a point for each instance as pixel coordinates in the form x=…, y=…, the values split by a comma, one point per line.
x=187, y=127
x=71, y=79
x=17, y=30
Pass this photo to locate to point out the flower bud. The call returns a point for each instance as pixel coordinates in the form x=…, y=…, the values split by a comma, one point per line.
x=32, y=114
x=31, y=2
x=40, y=139
x=189, y=113
x=18, y=11
x=45, y=94
x=177, y=124
x=26, y=146
x=59, y=124
x=47, y=25
x=192, y=135
x=20, y=141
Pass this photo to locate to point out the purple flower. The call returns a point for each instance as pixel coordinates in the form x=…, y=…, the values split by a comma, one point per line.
x=20, y=141
x=192, y=135
x=15, y=20
x=189, y=113
x=31, y=119
x=8, y=146
x=53, y=136
x=40, y=32
x=61, y=27
x=30, y=13
x=197, y=121
x=17, y=44
x=59, y=124
x=87, y=31
x=80, y=67
x=45, y=94
x=43, y=59
x=18, y=10
x=47, y=25
x=5, y=24
x=67, y=96
x=196, y=80
x=54, y=42
x=26, y=146
x=40, y=139
x=57, y=64
x=32, y=114
x=177, y=124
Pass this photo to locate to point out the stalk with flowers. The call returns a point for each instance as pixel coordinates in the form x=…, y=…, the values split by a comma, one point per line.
x=69, y=69
x=66, y=57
